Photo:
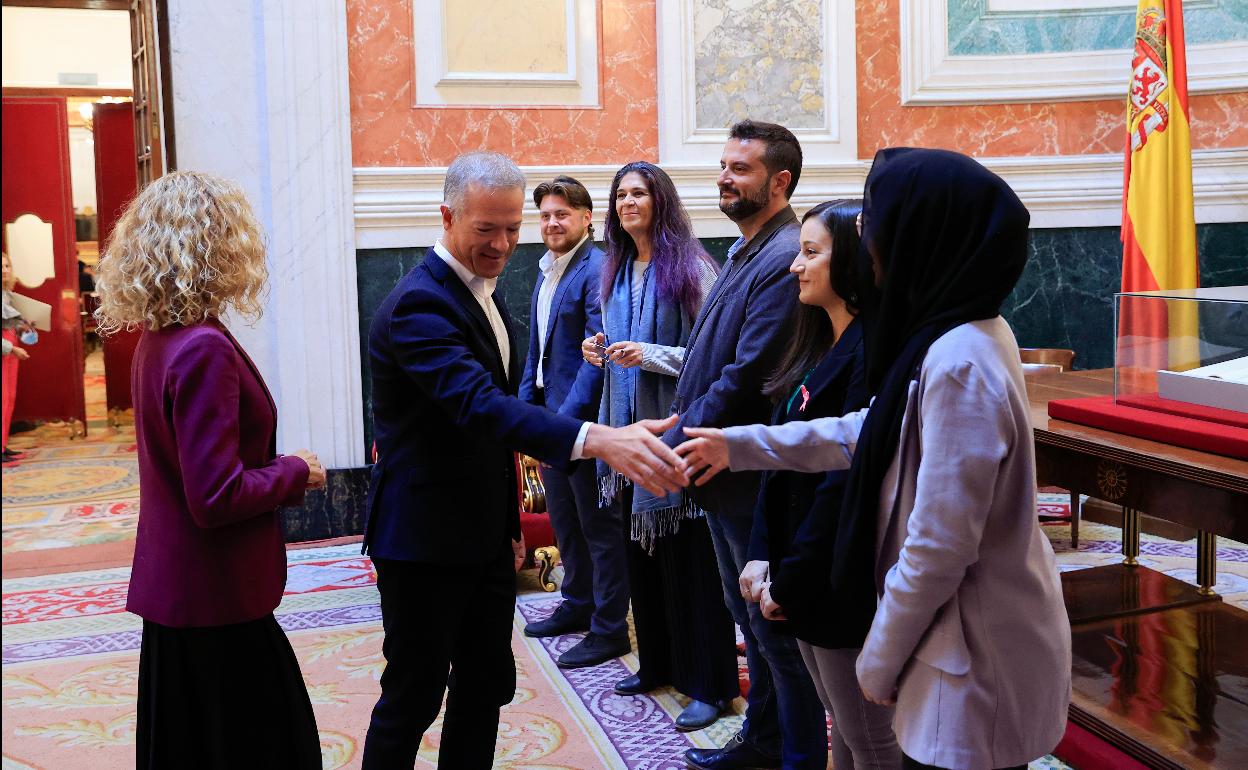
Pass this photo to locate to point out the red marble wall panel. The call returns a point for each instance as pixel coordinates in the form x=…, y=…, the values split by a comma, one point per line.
x=1060, y=128
x=386, y=130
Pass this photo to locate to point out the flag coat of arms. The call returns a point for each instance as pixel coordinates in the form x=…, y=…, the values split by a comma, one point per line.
x=1158, y=215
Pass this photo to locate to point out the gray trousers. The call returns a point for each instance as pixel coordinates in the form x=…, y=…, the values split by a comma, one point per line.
x=862, y=731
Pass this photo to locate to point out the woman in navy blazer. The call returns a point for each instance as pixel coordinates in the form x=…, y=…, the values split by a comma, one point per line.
x=821, y=374
x=217, y=676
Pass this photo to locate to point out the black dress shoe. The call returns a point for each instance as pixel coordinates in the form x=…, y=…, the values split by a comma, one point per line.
x=633, y=685
x=592, y=650
x=560, y=622
x=735, y=755
x=699, y=714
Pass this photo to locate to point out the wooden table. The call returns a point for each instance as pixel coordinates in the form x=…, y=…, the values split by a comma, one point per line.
x=1204, y=491
x=1160, y=667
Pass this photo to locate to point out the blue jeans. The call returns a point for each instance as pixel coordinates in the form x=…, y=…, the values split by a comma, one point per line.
x=783, y=712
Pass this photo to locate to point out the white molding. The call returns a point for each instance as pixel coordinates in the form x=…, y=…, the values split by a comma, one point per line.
x=399, y=207
x=439, y=86
x=930, y=75
x=681, y=141
x=1086, y=191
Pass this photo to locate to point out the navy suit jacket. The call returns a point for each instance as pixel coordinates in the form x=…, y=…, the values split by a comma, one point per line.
x=570, y=384
x=446, y=421
x=735, y=345
x=797, y=513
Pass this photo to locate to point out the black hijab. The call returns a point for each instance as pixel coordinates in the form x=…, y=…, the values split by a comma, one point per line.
x=951, y=238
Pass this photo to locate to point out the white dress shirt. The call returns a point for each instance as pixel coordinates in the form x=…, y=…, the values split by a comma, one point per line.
x=482, y=290
x=552, y=266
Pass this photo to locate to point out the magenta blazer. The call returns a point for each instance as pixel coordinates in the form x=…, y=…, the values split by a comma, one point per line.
x=210, y=550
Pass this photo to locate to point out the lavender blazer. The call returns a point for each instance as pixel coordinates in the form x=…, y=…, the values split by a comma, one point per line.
x=210, y=549
x=971, y=628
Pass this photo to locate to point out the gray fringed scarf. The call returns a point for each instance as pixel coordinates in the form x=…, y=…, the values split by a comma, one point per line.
x=634, y=394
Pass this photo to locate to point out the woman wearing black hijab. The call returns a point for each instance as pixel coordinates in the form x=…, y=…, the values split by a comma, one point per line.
x=970, y=637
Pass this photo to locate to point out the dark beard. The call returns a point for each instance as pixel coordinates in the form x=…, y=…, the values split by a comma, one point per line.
x=746, y=206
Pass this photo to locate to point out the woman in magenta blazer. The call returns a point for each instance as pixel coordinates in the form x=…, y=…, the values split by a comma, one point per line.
x=219, y=685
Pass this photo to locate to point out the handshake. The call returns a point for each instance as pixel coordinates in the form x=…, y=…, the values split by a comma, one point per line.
x=635, y=451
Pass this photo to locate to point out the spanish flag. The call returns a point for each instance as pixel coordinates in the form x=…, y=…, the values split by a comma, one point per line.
x=1158, y=215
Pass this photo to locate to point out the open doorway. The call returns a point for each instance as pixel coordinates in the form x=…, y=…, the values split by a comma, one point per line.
x=103, y=179
x=83, y=130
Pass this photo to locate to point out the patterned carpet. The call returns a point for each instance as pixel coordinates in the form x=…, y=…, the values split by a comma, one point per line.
x=70, y=650
x=70, y=661
x=71, y=492
x=1100, y=544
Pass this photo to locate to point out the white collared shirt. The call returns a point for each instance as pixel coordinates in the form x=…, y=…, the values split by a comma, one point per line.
x=482, y=289
x=553, y=268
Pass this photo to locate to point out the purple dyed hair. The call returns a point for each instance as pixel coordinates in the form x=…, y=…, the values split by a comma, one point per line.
x=675, y=251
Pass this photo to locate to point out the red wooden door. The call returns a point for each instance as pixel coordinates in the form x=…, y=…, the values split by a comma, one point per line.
x=115, y=178
x=35, y=169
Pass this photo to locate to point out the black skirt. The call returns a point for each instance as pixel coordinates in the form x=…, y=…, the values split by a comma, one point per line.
x=223, y=697
x=685, y=636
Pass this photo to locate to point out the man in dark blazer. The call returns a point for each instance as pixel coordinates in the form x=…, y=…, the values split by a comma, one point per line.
x=567, y=309
x=734, y=347
x=443, y=512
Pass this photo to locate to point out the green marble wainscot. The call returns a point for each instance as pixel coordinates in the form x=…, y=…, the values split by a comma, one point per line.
x=337, y=510
x=378, y=270
x=1065, y=296
x=975, y=30
x=1063, y=300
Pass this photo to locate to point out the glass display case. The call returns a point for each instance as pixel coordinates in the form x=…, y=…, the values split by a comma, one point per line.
x=1187, y=347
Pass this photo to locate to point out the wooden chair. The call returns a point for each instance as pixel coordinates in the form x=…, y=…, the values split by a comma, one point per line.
x=1053, y=360
x=1060, y=357
x=541, y=550
x=1031, y=370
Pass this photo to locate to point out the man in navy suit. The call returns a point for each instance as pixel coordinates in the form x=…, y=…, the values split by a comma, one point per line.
x=567, y=309
x=443, y=511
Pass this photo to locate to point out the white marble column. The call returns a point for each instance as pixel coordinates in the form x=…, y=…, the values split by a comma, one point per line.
x=260, y=96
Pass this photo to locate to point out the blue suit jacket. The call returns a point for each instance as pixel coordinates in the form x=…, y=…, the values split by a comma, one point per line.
x=446, y=421
x=735, y=345
x=571, y=386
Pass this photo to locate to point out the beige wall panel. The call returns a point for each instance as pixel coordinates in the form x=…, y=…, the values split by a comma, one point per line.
x=507, y=36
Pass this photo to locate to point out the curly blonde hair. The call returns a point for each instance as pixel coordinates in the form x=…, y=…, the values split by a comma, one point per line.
x=186, y=247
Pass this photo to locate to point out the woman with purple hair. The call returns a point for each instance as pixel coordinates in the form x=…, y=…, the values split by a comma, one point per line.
x=654, y=280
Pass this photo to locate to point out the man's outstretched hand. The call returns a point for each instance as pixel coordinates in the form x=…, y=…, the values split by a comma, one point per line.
x=705, y=453
x=636, y=452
